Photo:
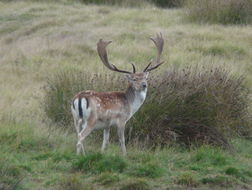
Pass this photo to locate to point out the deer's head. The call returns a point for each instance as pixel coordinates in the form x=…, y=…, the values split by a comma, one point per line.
x=138, y=80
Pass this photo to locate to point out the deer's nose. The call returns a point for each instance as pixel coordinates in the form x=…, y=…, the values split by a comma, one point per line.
x=144, y=84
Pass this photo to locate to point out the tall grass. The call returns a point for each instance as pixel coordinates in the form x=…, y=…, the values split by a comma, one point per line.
x=189, y=105
x=220, y=11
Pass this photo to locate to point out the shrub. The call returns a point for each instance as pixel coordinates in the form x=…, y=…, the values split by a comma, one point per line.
x=192, y=105
x=189, y=105
x=220, y=11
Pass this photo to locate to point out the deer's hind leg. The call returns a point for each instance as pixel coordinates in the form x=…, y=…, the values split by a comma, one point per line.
x=87, y=128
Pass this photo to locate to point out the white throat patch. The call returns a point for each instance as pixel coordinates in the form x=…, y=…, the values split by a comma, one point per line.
x=138, y=101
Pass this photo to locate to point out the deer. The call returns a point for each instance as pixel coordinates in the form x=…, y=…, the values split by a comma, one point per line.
x=93, y=110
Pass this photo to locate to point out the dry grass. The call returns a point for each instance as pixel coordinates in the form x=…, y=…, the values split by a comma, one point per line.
x=39, y=38
x=220, y=11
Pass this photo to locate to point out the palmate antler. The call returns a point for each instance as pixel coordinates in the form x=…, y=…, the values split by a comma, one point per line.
x=101, y=49
x=159, y=43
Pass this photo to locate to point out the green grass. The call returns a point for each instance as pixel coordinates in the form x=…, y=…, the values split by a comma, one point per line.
x=52, y=163
x=37, y=39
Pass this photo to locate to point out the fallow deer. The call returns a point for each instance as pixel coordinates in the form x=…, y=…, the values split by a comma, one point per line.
x=100, y=110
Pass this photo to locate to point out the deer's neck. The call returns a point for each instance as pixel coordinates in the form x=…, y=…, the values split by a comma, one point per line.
x=135, y=98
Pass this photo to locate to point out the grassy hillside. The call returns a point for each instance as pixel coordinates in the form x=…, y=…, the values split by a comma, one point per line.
x=39, y=39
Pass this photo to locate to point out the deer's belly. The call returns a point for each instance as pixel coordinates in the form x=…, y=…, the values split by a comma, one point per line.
x=105, y=123
x=101, y=125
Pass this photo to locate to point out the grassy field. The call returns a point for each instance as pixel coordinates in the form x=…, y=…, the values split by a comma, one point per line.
x=39, y=39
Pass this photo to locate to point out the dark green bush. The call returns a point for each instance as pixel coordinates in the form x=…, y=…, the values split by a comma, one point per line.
x=193, y=105
x=190, y=105
x=220, y=11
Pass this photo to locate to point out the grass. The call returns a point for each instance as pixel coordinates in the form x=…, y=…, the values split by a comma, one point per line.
x=52, y=164
x=37, y=39
x=220, y=11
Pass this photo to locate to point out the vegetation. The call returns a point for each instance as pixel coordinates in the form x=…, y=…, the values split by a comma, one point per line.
x=62, y=86
x=52, y=163
x=195, y=104
x=220, y=11
x=41, y=41
x=139, y=3
x=46, y=159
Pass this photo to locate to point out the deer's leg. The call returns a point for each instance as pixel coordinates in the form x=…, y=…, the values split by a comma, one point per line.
x=77, y=124
x=120, y=131
x=86, y=130
x=77, y=121
x=105, y=139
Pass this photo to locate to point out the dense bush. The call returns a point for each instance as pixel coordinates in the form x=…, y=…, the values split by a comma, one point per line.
x=194, y=104
x=220, y=11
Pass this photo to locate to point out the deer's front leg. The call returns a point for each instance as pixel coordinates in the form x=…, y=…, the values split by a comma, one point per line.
x=120, y=131
x=105, y=139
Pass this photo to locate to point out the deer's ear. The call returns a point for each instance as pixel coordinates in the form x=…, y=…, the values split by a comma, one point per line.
x=129, y=77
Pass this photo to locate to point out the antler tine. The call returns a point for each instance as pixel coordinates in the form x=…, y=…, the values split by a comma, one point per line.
x=134, y=68
x=159, y=43
x=102, y=52
x=145, y=69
